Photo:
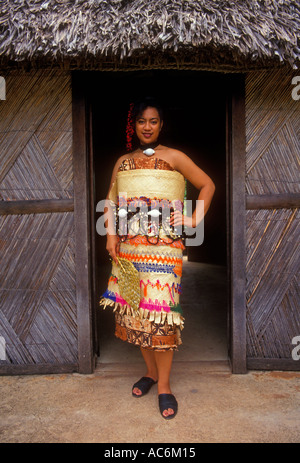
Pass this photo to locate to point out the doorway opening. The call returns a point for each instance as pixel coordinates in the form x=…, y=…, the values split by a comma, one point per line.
x=195, y=123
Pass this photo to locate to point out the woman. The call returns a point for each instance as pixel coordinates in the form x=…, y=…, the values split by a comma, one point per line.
x=150, y=175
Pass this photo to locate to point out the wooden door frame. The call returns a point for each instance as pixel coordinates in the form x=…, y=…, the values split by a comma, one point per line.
x=82, y=219
x=236, y=221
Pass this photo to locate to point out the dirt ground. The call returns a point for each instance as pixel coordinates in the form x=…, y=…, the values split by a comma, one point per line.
x=214, y=406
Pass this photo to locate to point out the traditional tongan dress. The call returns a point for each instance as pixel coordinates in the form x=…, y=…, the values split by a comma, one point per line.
x=155, y=253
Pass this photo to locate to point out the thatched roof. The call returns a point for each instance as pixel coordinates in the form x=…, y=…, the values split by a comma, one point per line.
x=89, y=33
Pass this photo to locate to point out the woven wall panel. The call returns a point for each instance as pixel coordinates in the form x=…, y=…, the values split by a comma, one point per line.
x=273, y=293
x=272, y=132
x=37, y=288
x=38, y=316
x=36, y=137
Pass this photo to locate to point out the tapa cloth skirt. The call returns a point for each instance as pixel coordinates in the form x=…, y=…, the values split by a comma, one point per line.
x=159, y=320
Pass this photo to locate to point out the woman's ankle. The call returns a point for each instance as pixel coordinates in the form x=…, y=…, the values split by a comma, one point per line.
x=152, y=374
x=163, y=388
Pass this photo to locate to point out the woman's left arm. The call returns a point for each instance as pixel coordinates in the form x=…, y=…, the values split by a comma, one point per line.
x=201, y=181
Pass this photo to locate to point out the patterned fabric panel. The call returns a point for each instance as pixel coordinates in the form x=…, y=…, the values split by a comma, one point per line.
x=142, y=333
x=141, y=163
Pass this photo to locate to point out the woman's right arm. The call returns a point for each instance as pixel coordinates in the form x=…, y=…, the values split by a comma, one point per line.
x=112, y=241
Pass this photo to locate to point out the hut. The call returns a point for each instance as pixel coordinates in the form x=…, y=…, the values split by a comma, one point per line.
x=68, y=71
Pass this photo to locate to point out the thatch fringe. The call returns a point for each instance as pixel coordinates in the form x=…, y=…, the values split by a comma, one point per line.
x=250, y=31
x=173, y=318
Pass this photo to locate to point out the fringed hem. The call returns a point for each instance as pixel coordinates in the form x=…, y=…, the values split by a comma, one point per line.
x=172, y=318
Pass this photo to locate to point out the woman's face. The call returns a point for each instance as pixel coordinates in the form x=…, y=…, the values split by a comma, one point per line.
x=148, y=126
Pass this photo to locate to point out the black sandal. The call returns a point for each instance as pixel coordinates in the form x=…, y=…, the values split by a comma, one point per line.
x=144, y=385
x=166, y=401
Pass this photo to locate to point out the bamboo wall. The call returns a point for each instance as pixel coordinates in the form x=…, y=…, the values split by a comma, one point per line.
x=273, y=149
x=37, y=281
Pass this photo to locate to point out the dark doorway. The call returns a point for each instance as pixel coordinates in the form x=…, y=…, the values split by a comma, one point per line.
x=195, y=123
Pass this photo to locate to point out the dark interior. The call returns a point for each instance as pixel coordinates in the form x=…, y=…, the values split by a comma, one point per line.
x=195, y=122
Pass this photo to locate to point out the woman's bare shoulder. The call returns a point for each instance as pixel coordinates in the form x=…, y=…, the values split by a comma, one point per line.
x=176, y=157
x=123, y=157
x=117, y=164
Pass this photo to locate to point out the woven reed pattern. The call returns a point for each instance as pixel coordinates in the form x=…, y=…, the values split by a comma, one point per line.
x=129, y=282
x=36, y=137
x=273, y=134
x=160, y=184
x=37, y=289
x=37, y=281
x=273, y=316
x=273, y=127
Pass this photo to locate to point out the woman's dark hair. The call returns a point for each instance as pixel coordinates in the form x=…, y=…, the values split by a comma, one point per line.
x=144, y=103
